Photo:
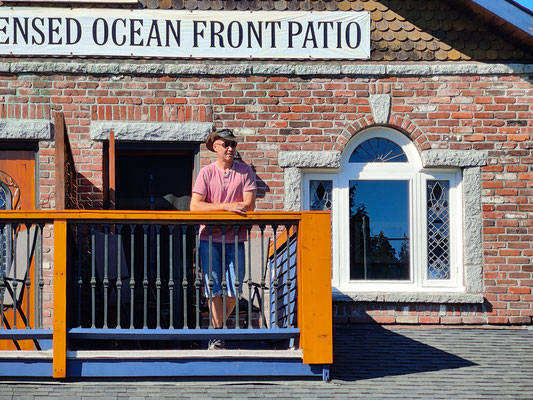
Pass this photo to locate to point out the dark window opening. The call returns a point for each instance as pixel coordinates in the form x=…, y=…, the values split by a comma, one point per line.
x=154, y=179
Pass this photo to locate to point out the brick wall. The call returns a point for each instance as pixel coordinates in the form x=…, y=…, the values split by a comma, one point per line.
x=487, y=112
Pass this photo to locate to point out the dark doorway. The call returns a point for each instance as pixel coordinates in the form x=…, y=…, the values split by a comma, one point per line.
x=153, y=178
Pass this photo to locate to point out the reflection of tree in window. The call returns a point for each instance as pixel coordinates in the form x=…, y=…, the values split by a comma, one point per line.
x=373, y=256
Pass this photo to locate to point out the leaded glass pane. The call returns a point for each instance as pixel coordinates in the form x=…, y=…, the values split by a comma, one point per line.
x=438, y=215
x=3, y=198
x=320, y=195
x=378, y=150
x=379, y=230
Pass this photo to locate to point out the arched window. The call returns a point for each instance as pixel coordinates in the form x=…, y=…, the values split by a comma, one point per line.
x=395, y=224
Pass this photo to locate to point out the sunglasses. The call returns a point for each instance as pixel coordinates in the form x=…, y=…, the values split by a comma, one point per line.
x=228, y=144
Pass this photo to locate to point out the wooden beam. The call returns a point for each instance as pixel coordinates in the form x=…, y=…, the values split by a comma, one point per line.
x=314, y=288
x=60, y=159
x=187, y=216
x=60, y=299
x=112, y=179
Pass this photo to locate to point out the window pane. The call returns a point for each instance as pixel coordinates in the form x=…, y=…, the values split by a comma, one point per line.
x=379, y=230
x=438, y=214
x=378, y=150
x=3, y=198
x=320, y=195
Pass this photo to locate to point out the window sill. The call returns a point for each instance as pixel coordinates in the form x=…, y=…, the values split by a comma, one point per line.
x=409, y=297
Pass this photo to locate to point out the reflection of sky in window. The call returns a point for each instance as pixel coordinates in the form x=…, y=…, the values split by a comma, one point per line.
x=387, y=205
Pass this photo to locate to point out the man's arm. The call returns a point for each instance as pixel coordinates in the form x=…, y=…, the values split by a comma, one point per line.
x=198, y=203
x=249, y=200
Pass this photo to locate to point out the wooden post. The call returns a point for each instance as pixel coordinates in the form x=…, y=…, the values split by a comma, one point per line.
x=314, y=288
x=60, y=160
x=60, y=299
x=112, y=179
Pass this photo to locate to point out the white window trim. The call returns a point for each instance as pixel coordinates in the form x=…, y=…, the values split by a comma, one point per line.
x=417, y=177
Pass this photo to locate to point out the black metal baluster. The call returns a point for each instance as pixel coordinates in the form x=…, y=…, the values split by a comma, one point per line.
x=106, y=272
x=132, y=273
x=14, y=267
x=288, y=279
x=249, y=238
x=78, y=273
x=171, y=274
x=294, y=308
x=145, y=277
x=263, y=283
x=158, y=277
x=237, y=283
x=224, y=281
x=274, y=277
x=119, y=273
x=197, y=281
x=40, y=277
x=93, y=278
x=210, y=277
x=185, y=283
x=28, y=279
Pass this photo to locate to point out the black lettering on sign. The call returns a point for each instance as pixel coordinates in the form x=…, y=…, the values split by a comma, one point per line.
x=70, y=22
x=53, y=30
x=105, y=27
x=114, y=36
x=37, y=30
x=135, y=32
x=299, y=28
x=197, y=32
x=176, y=33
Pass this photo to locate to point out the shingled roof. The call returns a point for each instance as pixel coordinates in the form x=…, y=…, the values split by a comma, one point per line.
x=405, y=30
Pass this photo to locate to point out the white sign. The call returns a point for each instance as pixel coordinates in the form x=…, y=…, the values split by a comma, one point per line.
x=184, y=34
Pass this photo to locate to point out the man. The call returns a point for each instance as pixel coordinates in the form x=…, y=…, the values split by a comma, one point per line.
x=225, y=185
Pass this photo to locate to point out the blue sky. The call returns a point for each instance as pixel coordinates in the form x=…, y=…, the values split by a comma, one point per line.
x=526, y=3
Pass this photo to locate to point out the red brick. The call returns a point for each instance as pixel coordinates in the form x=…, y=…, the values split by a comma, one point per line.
x=474, y=138
x=520, y=290
x=525, y=320
x=429, y=320
x=497, y=320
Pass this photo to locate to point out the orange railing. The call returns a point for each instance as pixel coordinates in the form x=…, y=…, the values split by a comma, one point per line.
x=314, y=307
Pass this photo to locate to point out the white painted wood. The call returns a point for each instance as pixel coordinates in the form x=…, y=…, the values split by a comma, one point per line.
x=183, y=354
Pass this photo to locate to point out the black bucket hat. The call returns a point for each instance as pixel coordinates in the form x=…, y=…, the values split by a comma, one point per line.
x=224, y=134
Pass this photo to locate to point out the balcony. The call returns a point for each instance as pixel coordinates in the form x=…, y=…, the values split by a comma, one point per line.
x=119, y=293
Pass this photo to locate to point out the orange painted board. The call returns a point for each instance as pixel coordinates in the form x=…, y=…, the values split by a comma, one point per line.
x=60, y=299
x=314, y=288
x=106, y=215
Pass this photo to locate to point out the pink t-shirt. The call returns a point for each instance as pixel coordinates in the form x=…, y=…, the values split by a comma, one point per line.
x=224, y=187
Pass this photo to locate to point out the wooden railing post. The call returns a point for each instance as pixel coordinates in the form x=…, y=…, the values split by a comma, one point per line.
x=314, y=288
x=60, y=299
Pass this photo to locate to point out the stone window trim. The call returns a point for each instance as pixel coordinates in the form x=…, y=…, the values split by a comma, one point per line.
x=295, y=163
x=13, y=129
x=196, y=132
x=27, y=129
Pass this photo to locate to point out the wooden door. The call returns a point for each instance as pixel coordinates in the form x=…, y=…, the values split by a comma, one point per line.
x=18, y=167
x=17, y=172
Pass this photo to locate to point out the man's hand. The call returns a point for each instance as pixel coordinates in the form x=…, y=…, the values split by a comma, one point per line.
x=237, y=208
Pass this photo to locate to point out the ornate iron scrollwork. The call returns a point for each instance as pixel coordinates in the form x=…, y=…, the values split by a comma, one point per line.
x=13, y=187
